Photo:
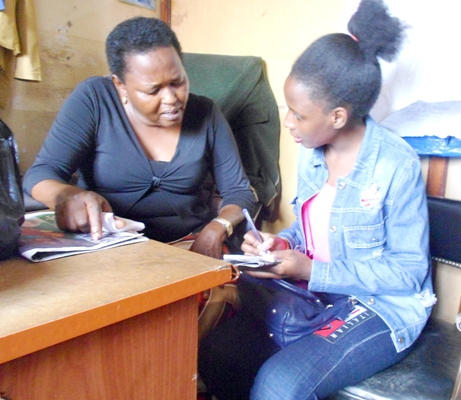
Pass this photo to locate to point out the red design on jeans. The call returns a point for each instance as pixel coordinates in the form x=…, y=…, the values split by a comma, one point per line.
x=330, y=328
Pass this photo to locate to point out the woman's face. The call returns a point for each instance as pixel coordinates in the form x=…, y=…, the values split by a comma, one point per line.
x=156, y=87
x=309, y=123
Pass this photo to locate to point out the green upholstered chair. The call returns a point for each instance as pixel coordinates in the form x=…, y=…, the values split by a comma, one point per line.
x=238, y=84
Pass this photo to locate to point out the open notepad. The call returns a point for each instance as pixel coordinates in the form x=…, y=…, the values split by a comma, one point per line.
x=244, y=261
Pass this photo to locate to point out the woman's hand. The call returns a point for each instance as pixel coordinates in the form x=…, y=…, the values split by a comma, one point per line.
x=76, y=210
x=210, y=240
x=80, y=211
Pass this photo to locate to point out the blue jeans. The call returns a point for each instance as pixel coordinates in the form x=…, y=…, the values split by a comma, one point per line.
x=238, y=358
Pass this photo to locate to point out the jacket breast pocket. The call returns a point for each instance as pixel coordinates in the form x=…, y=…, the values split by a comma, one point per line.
x=365, y=242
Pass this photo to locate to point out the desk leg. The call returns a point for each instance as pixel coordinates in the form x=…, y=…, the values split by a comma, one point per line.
x=150, y=356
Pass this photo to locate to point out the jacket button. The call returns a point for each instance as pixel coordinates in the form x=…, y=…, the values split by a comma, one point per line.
x=371, y=301
x=401, y=339
x=332, y=228
x=342, y=185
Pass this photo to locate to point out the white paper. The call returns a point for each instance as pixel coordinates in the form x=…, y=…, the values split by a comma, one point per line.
x=240, y=260
x=108, y=224
x=422, y=119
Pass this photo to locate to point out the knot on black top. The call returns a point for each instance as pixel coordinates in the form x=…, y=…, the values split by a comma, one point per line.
x=155, y=182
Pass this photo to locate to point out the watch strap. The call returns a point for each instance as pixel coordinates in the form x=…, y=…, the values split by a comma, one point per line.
x=226, y=224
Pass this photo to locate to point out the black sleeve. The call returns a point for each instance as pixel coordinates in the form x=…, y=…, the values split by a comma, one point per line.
x=70, y=140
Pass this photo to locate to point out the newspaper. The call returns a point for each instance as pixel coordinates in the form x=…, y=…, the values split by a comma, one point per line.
x=42, y=240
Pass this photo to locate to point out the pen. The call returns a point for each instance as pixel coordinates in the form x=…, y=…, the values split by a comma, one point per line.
x=252, y=225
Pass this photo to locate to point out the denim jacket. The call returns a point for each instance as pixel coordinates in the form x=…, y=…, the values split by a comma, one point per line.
x=378, y=234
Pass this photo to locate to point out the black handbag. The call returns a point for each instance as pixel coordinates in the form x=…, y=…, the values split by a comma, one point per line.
x=11, y=195
x=288, y=311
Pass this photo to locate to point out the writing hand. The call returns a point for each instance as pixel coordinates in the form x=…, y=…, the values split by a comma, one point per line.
x=252, y=246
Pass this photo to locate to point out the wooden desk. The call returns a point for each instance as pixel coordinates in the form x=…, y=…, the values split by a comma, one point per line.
x=115, y=324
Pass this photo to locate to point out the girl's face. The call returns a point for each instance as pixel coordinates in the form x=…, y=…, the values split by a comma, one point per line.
x=156, y=87
x=309, y=123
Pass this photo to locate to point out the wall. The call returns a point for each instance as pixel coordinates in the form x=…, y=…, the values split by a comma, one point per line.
x=278, y=32
x=71, y=39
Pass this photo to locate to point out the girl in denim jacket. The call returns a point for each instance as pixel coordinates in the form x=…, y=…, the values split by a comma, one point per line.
x=361, y=230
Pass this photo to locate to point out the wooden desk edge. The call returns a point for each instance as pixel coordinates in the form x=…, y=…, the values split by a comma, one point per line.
x=39, y=337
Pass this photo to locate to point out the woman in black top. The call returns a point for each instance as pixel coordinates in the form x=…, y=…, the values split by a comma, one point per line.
x=143, y=147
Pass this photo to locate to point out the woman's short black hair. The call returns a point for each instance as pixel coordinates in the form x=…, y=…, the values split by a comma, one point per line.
x=137, y=36
x=343, y=70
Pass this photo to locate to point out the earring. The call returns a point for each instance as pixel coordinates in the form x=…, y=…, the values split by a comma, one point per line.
x=125, y=99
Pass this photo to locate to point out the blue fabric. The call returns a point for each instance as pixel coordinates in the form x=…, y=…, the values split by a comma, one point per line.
x=313, y=368
x=2, y=5
x=93, y=135
x=288, y=310
x=238, y=357
x=449, y=146
x=379, y=232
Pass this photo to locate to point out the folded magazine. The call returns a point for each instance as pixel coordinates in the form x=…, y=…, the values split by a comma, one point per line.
x=42, y=240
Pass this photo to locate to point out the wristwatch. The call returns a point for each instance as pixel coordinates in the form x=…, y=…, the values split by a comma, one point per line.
x=226, y=224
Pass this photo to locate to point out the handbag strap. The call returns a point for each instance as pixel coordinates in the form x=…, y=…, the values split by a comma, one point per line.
x=304, y=293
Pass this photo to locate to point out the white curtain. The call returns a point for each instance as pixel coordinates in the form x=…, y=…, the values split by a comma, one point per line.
x=426, y=74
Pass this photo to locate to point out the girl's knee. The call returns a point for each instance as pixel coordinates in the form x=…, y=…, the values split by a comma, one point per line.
x=268, y=387
x=279, y=379
x=274, y=382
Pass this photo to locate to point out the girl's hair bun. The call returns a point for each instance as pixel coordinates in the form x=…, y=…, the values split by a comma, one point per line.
x=377, y=32
x=343, y=70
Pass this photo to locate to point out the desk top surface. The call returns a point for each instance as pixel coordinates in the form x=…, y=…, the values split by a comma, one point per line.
x=70, y=296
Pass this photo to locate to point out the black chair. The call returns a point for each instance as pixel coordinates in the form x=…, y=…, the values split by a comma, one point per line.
x=433, y=368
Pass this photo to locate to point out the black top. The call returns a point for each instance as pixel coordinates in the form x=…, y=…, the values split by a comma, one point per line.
x=92, y=135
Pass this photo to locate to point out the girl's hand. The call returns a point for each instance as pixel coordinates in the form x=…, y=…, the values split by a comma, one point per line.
x=294, y=264
x=251, y=245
